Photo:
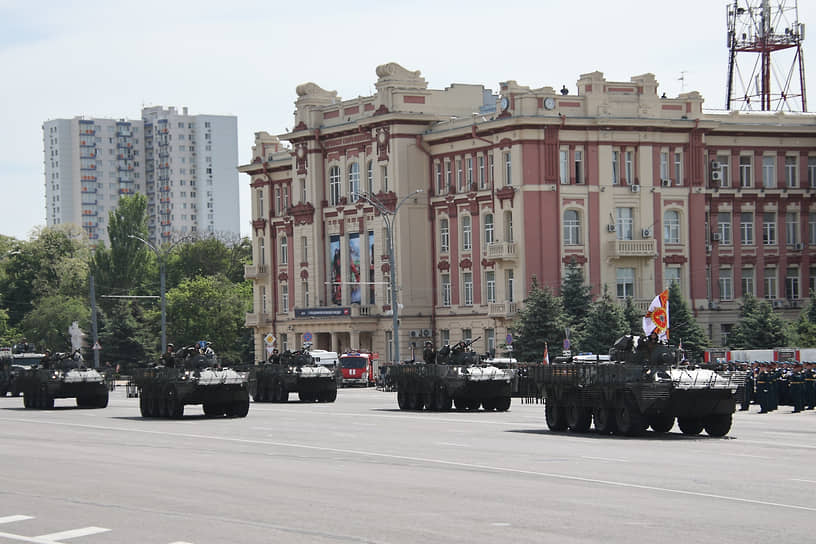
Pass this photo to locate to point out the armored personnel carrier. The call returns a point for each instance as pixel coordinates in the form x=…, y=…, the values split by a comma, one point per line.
x=452, y=376
x=638, y=385
x=300, y=372
x=191, y=376
x=60, y=376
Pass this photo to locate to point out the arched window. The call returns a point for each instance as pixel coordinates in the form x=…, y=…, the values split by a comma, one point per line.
x=467, y=234
x=572, y=228
x=354, y=181
x=284, y=250
x=671, y=227
x=334, y=185
x=488, y=228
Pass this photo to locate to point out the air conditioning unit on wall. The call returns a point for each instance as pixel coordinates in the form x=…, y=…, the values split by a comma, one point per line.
x=646, y=233
x=715, y=236
x=716, y=176
x=665, y=182
x=610, y=228
x=635, y=188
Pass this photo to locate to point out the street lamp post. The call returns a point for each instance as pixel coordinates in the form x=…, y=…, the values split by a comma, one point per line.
x=388, y=218
x=160, y=256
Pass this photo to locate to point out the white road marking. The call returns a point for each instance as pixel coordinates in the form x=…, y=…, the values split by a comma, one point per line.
x=73, y=533
x=452, y=444
x=428, y=460
x=605, y=459
x=806, y=481
x=12, y=519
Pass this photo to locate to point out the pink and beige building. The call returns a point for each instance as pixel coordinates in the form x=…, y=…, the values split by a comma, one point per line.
x=637, y=188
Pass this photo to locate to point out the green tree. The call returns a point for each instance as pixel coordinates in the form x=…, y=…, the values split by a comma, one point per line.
x=48, y=321
x=124, y=266
x=208, y=257
x=53, y=262
x=683, y=327
x=633, y=317
x=803, y=330
x=606, y=321
x=541, y=321
x=214, y=309
x=575, y=295
x=759, y=328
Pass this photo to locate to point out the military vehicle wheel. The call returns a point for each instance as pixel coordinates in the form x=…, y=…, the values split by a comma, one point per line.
x=402, y=399
x=579, y=418
x=441, y=400
x=717, y=424
x=240, y=408
x=212, y=409
x=328, y=396
x=661, y=423
x=629, y=420
x=143, y=406
x=474, y=404
x=173, y=406
x=555, y=416
x=690, y=425
x=27, y=400
x=489, y=404
x=503, y=404
x=461, y=403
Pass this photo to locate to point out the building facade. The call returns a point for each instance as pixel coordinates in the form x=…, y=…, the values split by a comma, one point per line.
x=184, y=164
x=639, y=189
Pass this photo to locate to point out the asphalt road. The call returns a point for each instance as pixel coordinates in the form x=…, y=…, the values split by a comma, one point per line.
x=360, y=470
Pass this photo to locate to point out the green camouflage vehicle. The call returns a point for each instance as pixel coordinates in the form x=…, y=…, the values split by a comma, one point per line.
x=192, y=376
x=60, y=376
x=640, y=384
x=452, y=376
x=294, y=372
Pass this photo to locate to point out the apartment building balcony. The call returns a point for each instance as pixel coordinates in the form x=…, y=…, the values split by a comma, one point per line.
x=256, y=318
x=632, y=248
x=501, y=251
x=502, y=309
x=252, y=271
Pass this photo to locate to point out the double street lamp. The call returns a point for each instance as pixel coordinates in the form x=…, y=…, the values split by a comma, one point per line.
x=161, y=256
x=388, y=218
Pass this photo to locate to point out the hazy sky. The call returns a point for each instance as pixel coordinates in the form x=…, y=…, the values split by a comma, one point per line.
x=107, y=59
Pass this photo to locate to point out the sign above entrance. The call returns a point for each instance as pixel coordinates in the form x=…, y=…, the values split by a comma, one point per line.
x=322, y=312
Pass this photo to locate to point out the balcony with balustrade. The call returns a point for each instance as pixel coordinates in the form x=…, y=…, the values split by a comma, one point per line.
x=254, y=271
x=501, y=251
x=504, y=309
x=632, y=248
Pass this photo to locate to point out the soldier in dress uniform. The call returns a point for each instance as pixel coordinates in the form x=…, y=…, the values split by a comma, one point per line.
x=763, y=388
x=809, y=374
x=748, y=388
x=796, y=386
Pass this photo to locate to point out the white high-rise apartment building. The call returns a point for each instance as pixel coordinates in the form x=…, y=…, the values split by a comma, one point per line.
x=184, y=164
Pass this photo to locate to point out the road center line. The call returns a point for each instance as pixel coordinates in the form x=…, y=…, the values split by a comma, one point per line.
x=12, y=519
x=427, y=460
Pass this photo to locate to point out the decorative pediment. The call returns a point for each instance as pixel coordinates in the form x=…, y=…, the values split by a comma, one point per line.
x=386, y=268
x=488, y=264
x=443, y=265
x=674, y=259
x=389, y=199
x=506, y=193
x=466, y=263
x=574, y=259
x=304, y=274
x=283, y=276
x=259, y=224
x=303, y=213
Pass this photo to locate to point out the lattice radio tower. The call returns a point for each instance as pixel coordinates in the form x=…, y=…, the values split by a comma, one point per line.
x=757, y=29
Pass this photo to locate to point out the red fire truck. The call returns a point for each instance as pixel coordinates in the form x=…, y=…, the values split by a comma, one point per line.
x=359, y=368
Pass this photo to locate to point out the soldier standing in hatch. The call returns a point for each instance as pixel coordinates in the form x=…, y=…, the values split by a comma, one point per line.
x=429, y=353
x=168, y=357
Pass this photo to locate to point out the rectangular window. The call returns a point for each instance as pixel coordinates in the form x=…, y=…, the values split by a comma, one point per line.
x=334, y=185
x=615, y=162
x=508, y=169
x=725, y=178
x=724, y=227
x=746, y=179
x=748, y=282
x=304, y=249
x=672, y=276
x=467, y=335
x=625, y=282
x=812, y=280
x=664, y=165
x=726, y=284
x=769, y=281
x=467, y=234
x=467, y=285
x=469, y=173
x=812, y=228
x=370, y=178
x=792, y=283
x=769, y=172
x=439, y=187
x=791, y=228
x=491, y=170
x=510, y=280
x=769, y=229
x=304, y=288
x=490, y=341
x=444, y=236
x=563, y=166
x=284, y=298
x=791, y=172
x=579, y=166
x=747, y=228
x=811, y=172
x=629, y=164
x=444, y=337
x=446, y=290
x=678, y=168
x=459, y=180
x=490, y=286
x=482, y=178
x=384, y=177
x=284, y=345
x=623, y=223
x=448, y=175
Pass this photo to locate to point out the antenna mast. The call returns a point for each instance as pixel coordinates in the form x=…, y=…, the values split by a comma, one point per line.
x=762, y=29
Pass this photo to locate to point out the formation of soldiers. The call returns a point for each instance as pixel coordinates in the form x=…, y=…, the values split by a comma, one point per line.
x=774, y=384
